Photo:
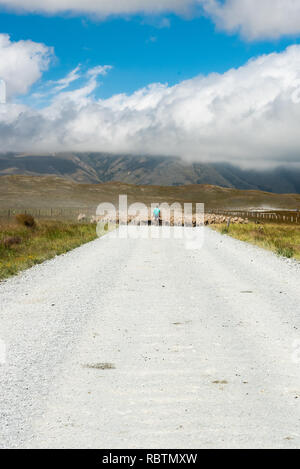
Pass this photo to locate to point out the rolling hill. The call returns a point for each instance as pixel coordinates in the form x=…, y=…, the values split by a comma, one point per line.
x=22, y=192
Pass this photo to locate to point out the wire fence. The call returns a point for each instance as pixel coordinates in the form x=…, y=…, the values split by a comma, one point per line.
x=273, y=216
x=64, y=213
x=72, y=213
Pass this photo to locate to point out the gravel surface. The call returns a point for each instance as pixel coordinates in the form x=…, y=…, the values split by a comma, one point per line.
x=145, y=344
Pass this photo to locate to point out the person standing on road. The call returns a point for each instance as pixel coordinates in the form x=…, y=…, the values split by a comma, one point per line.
x=156, y=213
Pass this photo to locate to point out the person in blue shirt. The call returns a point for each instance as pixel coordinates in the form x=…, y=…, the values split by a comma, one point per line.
x=156, y=213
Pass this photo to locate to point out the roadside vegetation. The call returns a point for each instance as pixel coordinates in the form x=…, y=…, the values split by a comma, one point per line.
x=25, y=242
x=284, y=240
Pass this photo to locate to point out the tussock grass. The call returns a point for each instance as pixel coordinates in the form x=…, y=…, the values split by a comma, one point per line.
x=25, y=220
x=284, y=240
x=22, y=247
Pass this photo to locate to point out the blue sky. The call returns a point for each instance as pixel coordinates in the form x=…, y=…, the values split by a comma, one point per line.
x=142, y=50
x=205, y=80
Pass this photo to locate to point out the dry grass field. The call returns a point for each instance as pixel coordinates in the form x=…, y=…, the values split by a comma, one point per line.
x=24, y=246
x=282, y=239
x=25, y=192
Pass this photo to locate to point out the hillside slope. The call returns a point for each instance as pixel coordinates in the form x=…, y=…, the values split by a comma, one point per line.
x=49, y=191
x=148, y=170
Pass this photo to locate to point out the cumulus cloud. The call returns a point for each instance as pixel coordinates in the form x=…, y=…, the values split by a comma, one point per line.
x=248, y=115
x=22, y=64
x=256, y=19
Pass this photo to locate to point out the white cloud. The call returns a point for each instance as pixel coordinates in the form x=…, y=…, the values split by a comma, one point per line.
x=101, y=7
x=99, y=70
x=256, y=19
x=66, y=81
x=248, y=115
x=59, y=87
x=22, y=64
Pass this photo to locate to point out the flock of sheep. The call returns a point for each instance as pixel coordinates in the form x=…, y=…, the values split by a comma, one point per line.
x=175, y=219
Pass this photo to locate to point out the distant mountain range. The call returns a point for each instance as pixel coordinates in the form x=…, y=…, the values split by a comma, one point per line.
x=148, y=170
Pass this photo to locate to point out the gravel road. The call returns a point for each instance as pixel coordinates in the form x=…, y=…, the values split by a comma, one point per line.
x=198, y=348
